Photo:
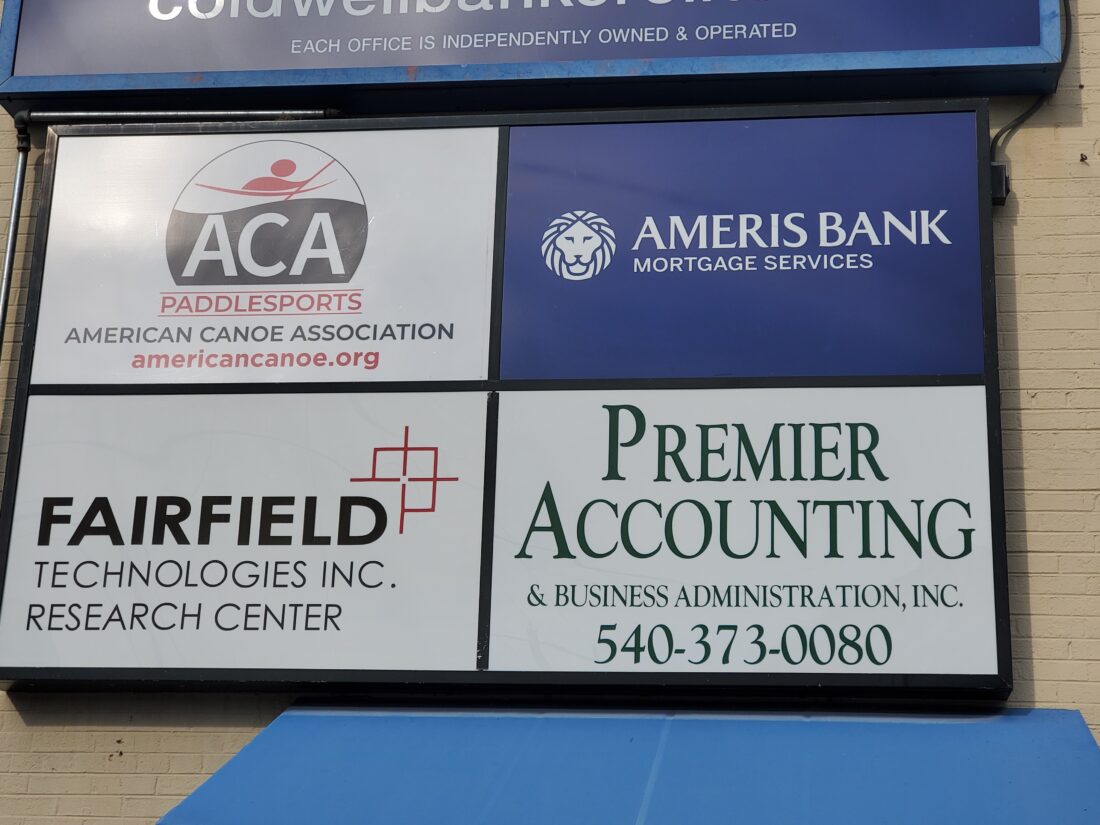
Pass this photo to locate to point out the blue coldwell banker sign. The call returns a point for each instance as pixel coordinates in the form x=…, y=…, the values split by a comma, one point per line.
x=105, y=45
x=748, y=248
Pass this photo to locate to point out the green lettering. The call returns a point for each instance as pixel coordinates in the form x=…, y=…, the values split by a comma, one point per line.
x=625, y=529
x=613, y=442
x=664, y=453
x=706, y=451
x=756, y=464
x=779, y=516
x=670, y=533
x=867, y=452
x=967, y=533
x=890, y=515
x=820, y=451
x=582, y=523
x=833, y=507
x=546, y=501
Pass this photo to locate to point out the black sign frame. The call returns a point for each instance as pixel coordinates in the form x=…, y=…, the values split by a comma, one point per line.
x=584, y=688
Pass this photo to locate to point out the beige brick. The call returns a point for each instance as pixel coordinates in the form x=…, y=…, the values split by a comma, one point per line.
x=189, y=763
x=1050, y=585
x=214, y=761
x=123, y=785
x=1020, y=565
x=74, y=806
x=15, y=741
x=1055, y=627
x=1084, y=649
x=59, y=784
x=27, y=805
x=1051, y=649
x=1035, y=542
x=61, y=742
x=1079, y=563
x=1088, y=692
x=148, y=806
x=1065, y=605
x=1055, y=671
x=13, y=784
x=180, y=785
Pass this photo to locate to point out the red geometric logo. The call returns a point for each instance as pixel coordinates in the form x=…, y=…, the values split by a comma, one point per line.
x=419, y=475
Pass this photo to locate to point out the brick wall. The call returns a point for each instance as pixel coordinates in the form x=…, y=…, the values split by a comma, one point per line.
x=128, y=758
x=118, y=758
x=1047, y=241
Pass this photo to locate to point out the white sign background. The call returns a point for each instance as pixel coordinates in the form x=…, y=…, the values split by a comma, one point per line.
x=933, y=446
x=424, y=617
x=430, y=197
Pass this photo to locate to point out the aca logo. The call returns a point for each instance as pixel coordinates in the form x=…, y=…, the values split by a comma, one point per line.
x=579, y=245
x=270, y=212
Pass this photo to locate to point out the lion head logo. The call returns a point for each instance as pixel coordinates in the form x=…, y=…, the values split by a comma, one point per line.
x=579, y=245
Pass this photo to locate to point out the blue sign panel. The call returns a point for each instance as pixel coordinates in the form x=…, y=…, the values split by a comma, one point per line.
x=835, y=246
x=63, y=45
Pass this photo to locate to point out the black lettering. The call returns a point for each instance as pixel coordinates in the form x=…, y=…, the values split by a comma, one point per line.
x=347, y=507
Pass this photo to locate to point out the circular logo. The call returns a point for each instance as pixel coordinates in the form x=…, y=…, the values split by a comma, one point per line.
x=579, y=245
x=270, y=212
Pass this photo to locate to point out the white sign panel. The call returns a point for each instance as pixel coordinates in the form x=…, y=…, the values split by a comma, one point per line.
x=291, y=532
x=814, y=531
x=339, y=256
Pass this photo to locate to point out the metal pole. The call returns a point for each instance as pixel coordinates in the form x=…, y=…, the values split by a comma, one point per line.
x=231, y=114
x=23, y=147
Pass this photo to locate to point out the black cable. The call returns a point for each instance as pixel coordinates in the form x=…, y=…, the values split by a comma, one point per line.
x=1009, y=129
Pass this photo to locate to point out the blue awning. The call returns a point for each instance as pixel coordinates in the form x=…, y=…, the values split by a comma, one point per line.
x=1039, y=767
